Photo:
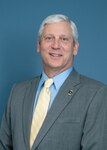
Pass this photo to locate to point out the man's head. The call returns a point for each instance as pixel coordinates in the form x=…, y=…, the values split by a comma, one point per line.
x=57, y=43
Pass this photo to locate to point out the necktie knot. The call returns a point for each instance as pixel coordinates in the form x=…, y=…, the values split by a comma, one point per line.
x=48, y=82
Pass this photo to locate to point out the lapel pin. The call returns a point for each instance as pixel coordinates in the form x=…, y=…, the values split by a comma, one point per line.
x=70, y=92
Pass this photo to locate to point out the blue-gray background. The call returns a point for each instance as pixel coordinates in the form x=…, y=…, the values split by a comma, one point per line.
x=19, y=23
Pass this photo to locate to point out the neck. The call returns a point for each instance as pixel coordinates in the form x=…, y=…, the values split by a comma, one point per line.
x=53, y=72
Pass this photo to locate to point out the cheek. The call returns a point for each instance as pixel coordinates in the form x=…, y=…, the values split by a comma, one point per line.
x=69, y=53
x=40, y=49
x=43, y=47
x=43, y=53
x=68, y=56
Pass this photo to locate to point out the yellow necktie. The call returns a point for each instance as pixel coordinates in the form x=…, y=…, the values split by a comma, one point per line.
x=40, y=110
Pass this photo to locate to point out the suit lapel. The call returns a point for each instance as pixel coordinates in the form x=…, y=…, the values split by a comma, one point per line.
x=28, y=104
x=69, y=88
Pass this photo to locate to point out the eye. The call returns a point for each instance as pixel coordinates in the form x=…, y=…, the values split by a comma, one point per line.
x=64, y=39
x=48, y=38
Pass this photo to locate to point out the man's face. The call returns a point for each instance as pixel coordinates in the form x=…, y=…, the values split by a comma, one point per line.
x=56, y=47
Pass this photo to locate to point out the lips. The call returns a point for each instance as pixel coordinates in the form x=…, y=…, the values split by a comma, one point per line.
x=55, y=55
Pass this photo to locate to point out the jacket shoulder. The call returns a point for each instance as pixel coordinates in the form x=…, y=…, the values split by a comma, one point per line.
x=90, y=82
x=26, y=83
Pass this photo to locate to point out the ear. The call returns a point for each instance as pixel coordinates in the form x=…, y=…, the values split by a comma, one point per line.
x=38, y=46
x=76, y=46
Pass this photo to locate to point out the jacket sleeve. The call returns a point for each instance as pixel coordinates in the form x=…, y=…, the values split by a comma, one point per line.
x=95, y=126
x=5, y=129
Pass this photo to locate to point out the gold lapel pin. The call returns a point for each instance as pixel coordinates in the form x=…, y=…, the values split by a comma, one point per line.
x=70, y=92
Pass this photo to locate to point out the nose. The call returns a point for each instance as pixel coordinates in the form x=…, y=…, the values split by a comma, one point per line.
x=56, y=44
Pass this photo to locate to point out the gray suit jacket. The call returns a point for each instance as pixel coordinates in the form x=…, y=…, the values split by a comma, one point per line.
x=77, y=119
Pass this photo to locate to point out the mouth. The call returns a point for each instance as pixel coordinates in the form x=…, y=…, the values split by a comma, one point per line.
x=55, y=55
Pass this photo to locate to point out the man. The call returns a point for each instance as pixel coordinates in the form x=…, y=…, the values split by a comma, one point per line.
x=77, y=110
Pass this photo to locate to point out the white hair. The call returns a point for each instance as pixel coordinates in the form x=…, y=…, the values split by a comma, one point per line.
x=57, y=18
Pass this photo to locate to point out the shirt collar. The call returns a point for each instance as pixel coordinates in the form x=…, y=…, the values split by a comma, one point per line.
x=58, y=79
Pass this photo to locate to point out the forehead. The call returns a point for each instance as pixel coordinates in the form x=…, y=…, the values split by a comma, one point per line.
x=61, y=27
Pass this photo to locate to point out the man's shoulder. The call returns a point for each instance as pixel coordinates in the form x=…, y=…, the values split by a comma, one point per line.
x=26, y=83
x=90, y=82
x=87, y=81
